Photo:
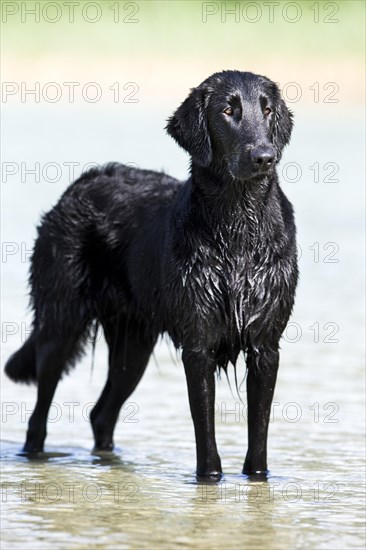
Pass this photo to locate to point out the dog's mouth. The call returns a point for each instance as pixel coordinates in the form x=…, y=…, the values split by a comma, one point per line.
x=245, y=172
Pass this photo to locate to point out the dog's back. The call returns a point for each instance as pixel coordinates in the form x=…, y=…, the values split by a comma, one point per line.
x=90, y=245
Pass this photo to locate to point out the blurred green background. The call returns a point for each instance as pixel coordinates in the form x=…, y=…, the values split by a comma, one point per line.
x=167, y=46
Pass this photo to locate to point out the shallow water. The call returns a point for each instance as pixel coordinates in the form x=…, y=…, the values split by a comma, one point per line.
x=144, y=495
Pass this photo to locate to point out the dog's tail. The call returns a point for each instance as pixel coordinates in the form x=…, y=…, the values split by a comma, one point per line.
x=21, y=366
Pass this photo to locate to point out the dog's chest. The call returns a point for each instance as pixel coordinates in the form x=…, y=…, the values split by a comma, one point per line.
x=229, y=289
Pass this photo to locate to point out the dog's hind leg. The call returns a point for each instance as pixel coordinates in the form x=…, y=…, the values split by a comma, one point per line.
x=52, y=356
x=130, y=346
x=21, y=366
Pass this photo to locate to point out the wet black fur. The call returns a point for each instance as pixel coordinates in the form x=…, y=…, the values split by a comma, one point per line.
x=210, y=261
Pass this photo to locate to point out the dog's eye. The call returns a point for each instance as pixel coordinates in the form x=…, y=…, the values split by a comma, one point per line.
x=229, y=111
x=267, y=111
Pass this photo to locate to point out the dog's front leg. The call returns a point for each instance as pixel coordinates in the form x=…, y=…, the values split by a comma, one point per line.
x=200, y=373
x=261, y=381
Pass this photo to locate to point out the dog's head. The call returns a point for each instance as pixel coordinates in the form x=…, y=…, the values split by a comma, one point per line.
x=235, y=120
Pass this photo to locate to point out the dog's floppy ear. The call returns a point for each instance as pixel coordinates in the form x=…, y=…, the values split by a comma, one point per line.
x=282, y=126
x=188, y=126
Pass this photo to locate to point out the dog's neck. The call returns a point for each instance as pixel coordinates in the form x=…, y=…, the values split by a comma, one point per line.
x=227, y=211
x=216, y=191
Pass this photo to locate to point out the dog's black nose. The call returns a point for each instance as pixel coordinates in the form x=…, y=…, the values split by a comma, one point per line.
x=263, y=157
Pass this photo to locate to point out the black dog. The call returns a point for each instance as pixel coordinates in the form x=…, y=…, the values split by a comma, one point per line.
x=211, y=261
